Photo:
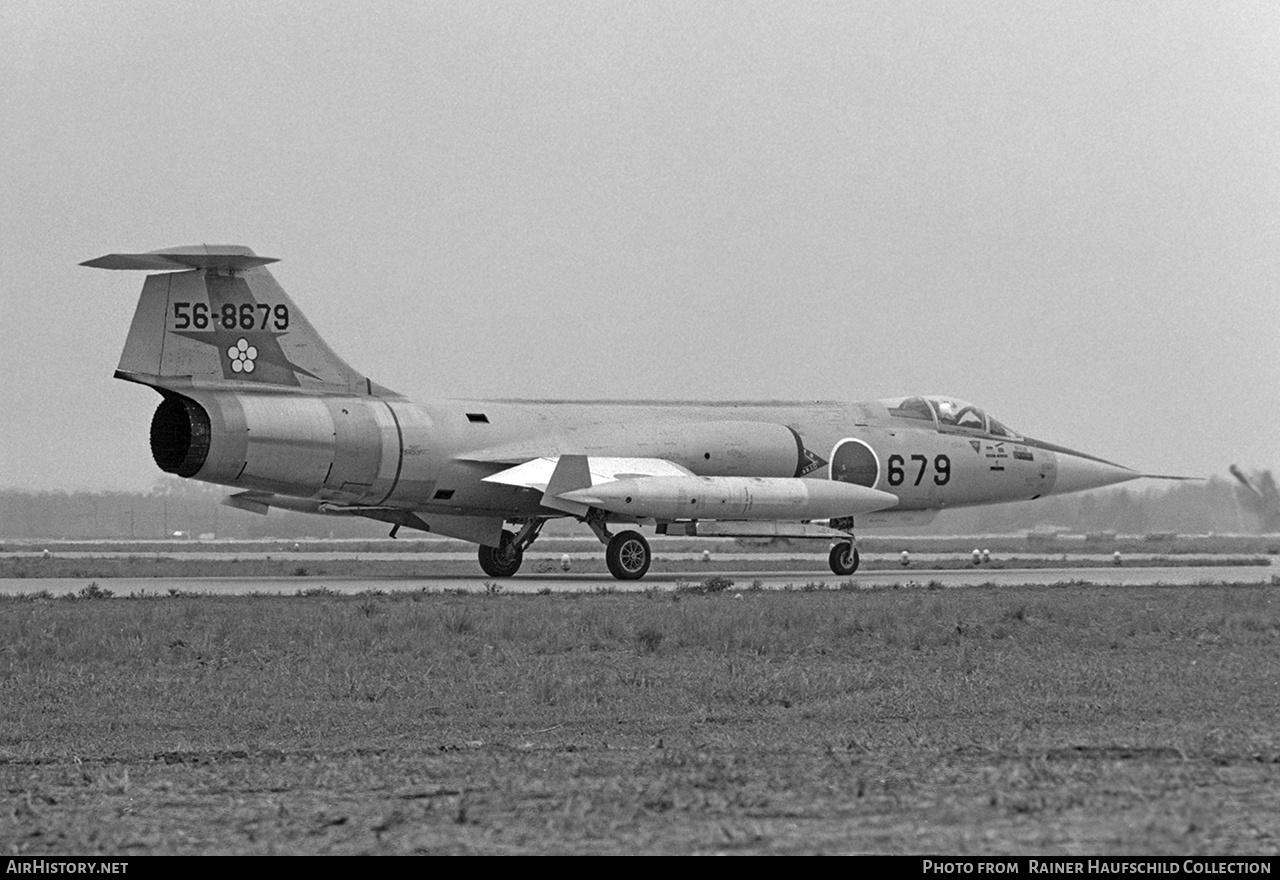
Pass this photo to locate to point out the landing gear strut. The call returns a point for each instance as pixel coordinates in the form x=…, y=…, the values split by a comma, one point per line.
x=504, y=560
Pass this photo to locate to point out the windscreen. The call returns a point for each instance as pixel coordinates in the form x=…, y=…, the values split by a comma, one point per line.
x=948, y=415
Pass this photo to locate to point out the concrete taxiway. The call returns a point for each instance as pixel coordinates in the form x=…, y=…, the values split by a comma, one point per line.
x=535, y=582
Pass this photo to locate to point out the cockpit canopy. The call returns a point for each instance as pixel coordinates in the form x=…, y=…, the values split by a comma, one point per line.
x=948, y=415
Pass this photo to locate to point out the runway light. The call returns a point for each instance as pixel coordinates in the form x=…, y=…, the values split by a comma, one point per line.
x=565, y=563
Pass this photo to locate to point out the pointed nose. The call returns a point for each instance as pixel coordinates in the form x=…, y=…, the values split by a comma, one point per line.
x=1077, y=472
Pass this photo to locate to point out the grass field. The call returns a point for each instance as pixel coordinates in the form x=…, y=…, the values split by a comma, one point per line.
x=1072, y=719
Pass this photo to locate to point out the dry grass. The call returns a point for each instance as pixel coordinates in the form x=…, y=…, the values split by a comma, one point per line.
x=1086, y=719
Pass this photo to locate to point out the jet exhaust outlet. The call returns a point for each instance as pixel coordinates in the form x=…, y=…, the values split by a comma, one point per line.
x=180, y=435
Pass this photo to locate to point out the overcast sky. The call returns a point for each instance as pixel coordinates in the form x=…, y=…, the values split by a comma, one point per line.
x=1065, y=213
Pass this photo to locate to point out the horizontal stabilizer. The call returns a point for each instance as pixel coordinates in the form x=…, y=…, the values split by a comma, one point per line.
x=228, y=323
x=182, y=258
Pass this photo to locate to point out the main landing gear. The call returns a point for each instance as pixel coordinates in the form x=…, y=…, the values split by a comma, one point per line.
x=628, y=556
x=627, y=553
x=504, y=560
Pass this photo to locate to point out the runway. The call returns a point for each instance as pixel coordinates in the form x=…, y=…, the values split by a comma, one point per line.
x=536, y=582
x=920, y=560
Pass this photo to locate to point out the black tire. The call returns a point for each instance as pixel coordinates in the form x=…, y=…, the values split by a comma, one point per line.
x=628, y=556
x=844, y=559
x=502, y=561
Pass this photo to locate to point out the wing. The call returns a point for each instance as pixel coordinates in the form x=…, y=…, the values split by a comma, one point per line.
x=556, y=475
x=661, y=490
x=536, y=474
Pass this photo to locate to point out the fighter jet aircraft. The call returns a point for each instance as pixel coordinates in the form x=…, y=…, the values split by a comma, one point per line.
x=252, y=398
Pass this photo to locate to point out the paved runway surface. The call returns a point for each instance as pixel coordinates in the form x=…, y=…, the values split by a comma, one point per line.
x=594, y=551
x=535, y=582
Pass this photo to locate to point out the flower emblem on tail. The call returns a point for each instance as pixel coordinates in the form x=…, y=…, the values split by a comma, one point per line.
x=242, y=356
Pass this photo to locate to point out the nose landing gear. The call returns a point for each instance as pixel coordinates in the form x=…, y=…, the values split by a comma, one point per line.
x=844, y=554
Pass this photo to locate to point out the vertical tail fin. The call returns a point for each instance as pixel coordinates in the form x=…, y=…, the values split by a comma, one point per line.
x=216, y=317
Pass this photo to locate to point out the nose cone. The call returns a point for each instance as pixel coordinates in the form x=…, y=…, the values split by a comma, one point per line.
x=1077, y=472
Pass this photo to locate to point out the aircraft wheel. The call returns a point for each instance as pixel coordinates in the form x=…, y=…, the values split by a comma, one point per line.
x=628, y=556
x=844, y=558
x=501, y=561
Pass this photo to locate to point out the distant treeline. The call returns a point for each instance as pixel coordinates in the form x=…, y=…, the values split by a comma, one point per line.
x=1218, y=505
x=174, y=506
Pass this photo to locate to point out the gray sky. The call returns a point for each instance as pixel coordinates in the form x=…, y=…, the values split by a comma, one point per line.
x=1065, y=213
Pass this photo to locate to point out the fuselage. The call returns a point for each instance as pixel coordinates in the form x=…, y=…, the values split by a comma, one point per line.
x=388, y=451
